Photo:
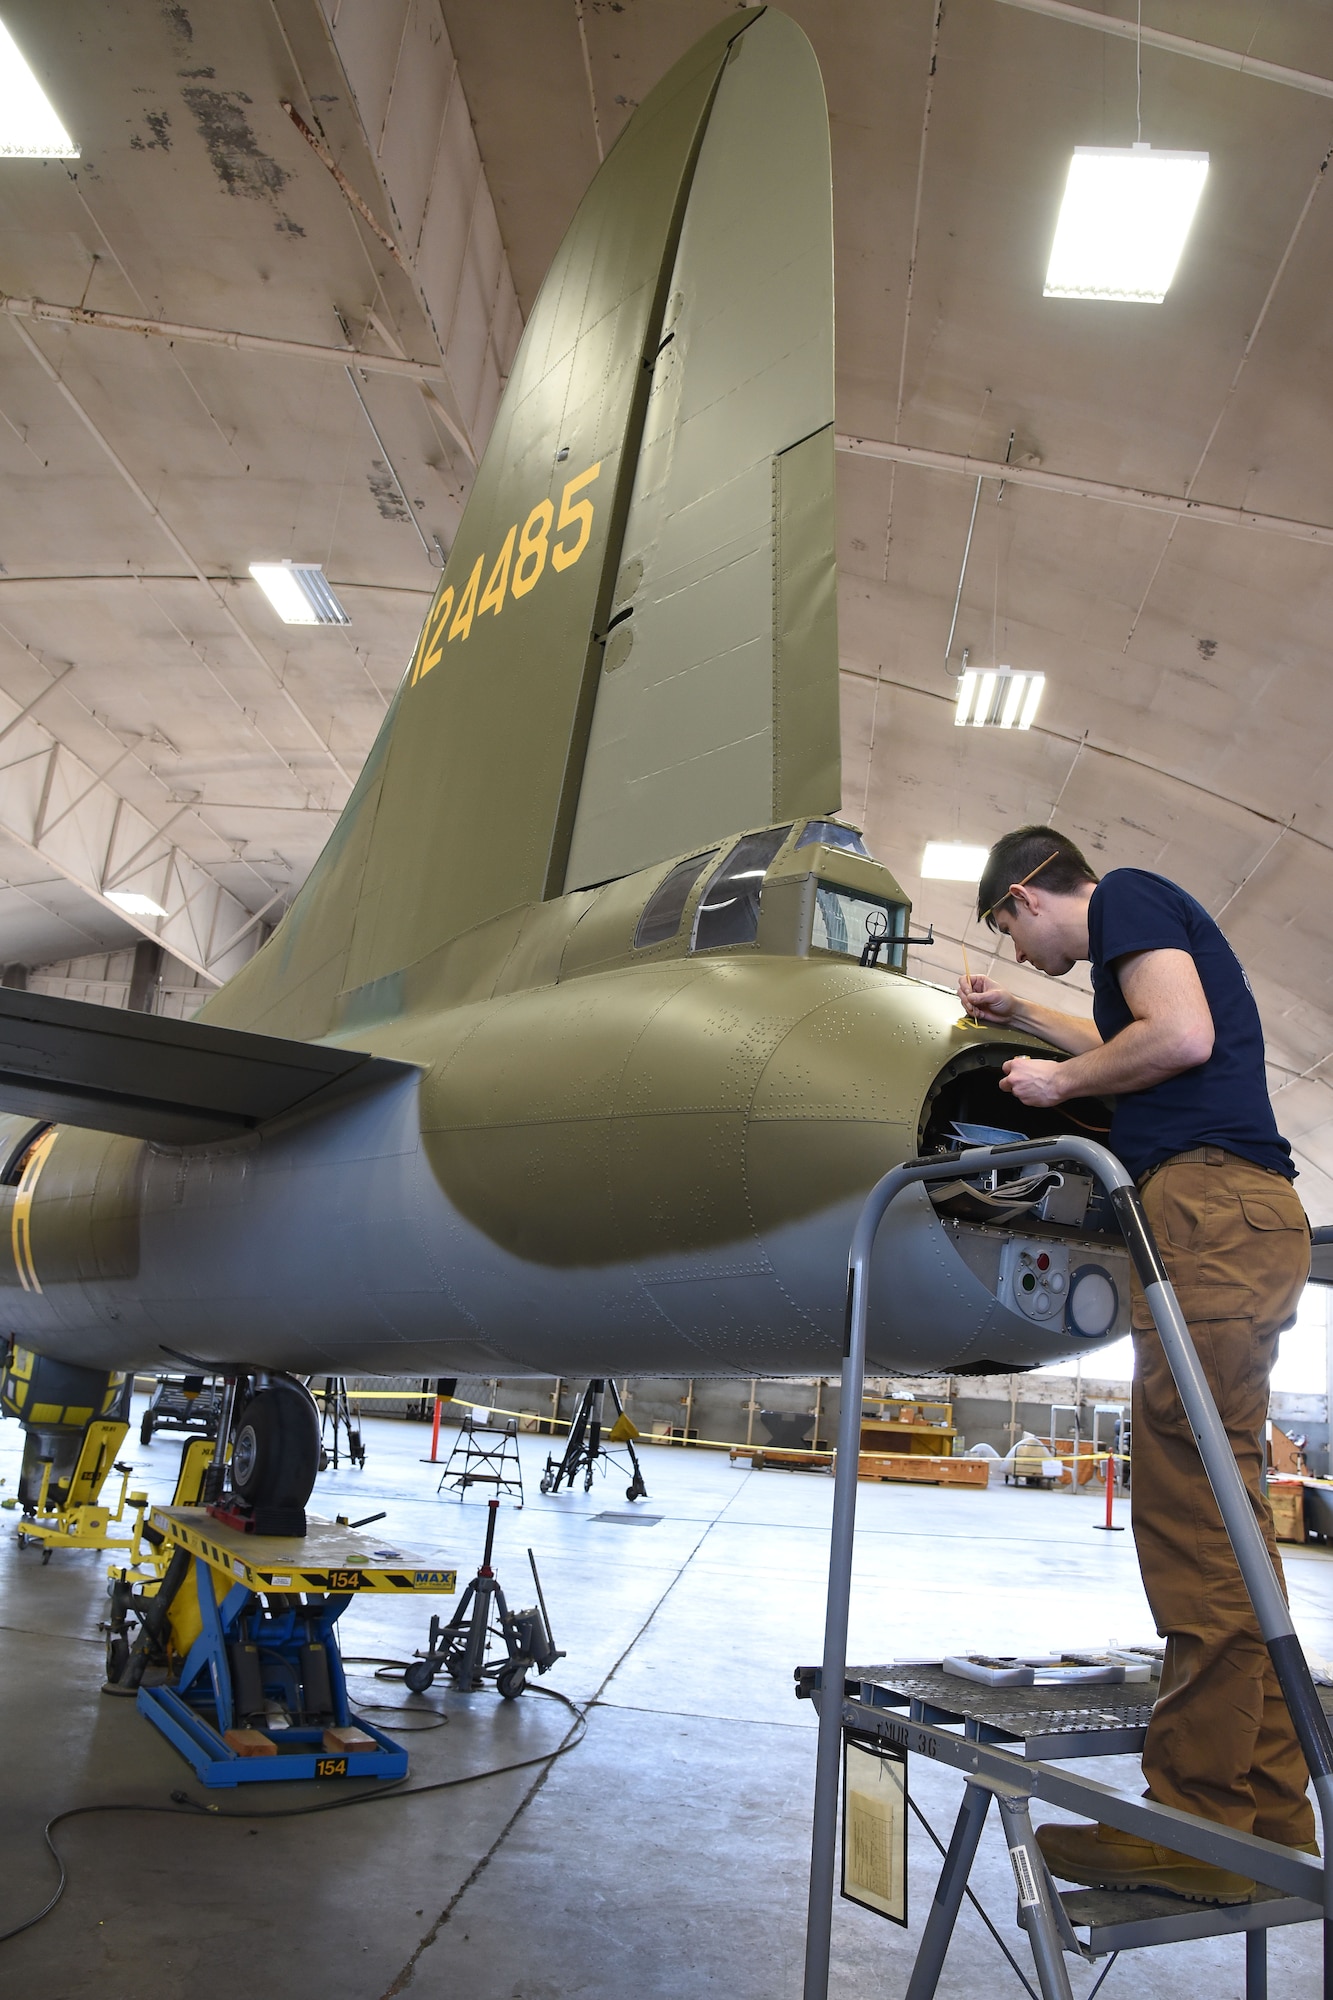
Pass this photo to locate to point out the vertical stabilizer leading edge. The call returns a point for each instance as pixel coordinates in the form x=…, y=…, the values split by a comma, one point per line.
x=633, y=646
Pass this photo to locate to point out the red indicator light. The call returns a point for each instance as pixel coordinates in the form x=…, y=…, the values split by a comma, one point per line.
x=1043, y=1262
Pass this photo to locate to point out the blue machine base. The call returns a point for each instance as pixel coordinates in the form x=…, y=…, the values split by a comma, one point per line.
x=301, y=1752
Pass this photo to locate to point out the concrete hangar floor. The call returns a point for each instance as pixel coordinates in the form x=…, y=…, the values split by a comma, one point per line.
x=664, y=1855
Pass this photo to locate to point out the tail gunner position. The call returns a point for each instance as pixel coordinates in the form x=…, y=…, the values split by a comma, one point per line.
x=1176, y=1038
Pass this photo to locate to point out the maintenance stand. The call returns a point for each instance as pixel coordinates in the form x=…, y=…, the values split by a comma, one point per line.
x=338, y=1420
x=855, y=1732
x=587, y=1449
x=485, y=1454
x=919, y=1709
x=245, y=1626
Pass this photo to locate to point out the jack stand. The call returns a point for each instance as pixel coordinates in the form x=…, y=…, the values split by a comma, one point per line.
x=584, y=1447
x=337, y=1418
x=459, y=1648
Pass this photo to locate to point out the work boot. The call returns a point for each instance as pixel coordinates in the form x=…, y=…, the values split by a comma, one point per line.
x=1105, y=1859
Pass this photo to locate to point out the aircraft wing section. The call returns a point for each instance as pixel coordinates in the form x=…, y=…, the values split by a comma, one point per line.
x=176, y=1082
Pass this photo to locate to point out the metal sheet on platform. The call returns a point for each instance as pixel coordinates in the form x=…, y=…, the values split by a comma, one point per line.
x=1103, y=1721
x=327, y=1557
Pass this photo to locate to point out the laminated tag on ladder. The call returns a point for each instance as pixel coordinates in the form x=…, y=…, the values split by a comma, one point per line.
x=1029, y=1895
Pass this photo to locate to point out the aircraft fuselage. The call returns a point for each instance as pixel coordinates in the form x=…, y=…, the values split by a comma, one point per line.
x=607, y=1161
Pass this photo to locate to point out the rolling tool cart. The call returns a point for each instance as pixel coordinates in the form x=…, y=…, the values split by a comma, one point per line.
x=235, y=1657
x=854, y=1731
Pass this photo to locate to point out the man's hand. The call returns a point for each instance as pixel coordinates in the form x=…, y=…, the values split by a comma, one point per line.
x=1033, y=1082
x=985, y=1001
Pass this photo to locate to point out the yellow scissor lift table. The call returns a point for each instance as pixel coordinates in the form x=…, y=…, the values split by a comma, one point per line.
x=259, y=1693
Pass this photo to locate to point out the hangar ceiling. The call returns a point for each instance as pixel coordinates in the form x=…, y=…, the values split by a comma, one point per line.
x=188, y=744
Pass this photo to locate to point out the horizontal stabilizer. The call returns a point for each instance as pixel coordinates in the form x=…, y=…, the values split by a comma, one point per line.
x=177, y=1082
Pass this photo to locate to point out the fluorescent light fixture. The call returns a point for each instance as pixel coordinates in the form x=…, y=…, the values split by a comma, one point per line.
x=952, y=861
x=299, y=593
x=133, y=904
x=997, y=698
x=1123, y=223
x=29, y=128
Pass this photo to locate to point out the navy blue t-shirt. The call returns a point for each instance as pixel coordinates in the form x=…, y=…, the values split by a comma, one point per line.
x=1223, y=1102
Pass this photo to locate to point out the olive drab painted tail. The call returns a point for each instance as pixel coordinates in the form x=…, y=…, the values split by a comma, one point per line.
x=633, y=646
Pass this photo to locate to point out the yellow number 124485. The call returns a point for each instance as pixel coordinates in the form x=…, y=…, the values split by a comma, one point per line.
x=546, y=538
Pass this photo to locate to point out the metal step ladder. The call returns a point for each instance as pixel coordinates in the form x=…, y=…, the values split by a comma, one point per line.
x=1304, y=1887
x=485, y=1454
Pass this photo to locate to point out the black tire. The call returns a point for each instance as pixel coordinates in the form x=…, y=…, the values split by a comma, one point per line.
x=419, y=1676
x=547, y=1482
x=117, y=1655
x=275, y=1447
x=511, y=1681
x=146, y=1428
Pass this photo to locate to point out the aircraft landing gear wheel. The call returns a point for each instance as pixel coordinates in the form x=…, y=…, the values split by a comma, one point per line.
x=275, y=1447
x=419, y=1676
x=511, y=1681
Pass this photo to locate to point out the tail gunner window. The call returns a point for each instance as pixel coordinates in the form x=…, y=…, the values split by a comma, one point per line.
x=729, y=906
x=666, y=906
x=846, y=922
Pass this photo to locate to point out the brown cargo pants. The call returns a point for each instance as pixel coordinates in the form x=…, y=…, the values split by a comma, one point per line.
x=1220, y=1744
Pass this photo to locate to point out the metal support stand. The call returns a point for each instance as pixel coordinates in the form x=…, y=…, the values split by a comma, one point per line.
x=1173, y=1829
x=460, y=1647
x=485, y=1454
x=337, y=1419
x=949, y=1893
x=585, y=1447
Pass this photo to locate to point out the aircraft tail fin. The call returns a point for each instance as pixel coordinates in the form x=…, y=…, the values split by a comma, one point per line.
x=633, y=645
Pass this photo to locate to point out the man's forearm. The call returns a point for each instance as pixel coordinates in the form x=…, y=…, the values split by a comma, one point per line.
x=1142, y=1054
x=1070, y=1032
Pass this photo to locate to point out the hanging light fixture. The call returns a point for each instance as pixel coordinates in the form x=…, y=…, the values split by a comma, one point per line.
x=997, y=698
x=300, y=593
x=1123, y=223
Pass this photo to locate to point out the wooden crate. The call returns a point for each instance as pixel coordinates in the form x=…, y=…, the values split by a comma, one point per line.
x=761, y=1455
x=1287, y=1500
x=924, y=1471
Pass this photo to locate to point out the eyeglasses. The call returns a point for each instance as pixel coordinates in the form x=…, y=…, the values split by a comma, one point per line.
x=1018, y=885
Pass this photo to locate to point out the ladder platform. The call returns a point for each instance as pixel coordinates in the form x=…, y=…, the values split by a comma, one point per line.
x=327, y=1558
x=1130, y=1919
x=1108, y=1720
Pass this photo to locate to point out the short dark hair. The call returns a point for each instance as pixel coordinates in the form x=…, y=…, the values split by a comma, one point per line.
x=1020, y=857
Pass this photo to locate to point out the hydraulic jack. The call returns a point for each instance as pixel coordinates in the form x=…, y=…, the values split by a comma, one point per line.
x=587, y=1446
x=459, y=1648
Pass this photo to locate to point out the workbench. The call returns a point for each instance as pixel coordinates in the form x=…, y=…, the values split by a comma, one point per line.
x=260, y=1693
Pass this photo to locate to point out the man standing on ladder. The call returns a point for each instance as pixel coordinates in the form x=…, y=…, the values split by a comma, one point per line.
x=1176, y=1040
